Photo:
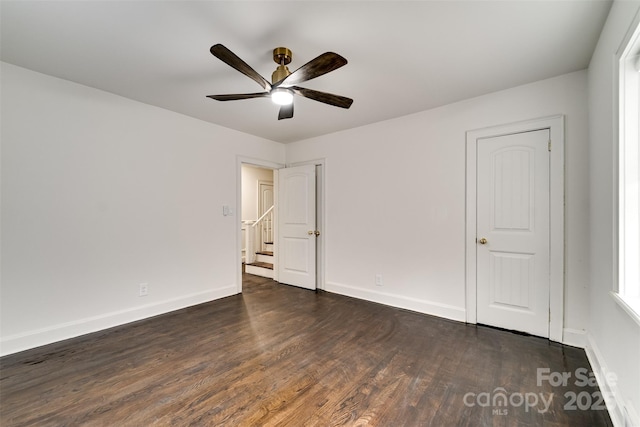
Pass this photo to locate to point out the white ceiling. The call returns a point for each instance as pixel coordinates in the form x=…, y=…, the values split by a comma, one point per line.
x=404, y=57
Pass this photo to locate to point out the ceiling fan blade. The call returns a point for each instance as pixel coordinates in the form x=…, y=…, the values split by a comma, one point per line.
x=231, y=59
x=317, y=67
x=327, y=98
x=238, y=96
x=286, y=112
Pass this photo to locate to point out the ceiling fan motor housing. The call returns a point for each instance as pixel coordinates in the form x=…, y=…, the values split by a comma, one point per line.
x=281, y=56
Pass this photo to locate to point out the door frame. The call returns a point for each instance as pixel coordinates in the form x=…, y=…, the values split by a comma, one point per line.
x=555, y=124
x=240, y=160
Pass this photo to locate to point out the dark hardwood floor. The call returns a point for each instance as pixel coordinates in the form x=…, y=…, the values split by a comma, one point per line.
x=282, y=356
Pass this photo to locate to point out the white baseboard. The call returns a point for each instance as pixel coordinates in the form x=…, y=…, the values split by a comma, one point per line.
x=574, y=337
x=36, y=338
x=413, y=304
x=621, y=413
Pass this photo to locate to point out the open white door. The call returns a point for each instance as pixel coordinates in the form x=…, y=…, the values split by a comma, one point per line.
x=297, y=226
x=513, y=232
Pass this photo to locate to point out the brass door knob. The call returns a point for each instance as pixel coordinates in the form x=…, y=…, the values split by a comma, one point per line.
x=482, y=241
x=310, y=233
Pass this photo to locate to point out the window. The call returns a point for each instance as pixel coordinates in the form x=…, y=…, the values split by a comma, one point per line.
x=628, y=294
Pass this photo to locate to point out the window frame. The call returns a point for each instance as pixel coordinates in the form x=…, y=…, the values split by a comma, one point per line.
x=627, y=273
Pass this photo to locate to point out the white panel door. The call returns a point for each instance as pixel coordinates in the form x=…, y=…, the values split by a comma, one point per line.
x=513, y=232
x=265, y=196
x=265, y=202
x=297, y=226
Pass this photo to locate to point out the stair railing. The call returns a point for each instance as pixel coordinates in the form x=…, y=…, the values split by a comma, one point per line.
x=258, y=233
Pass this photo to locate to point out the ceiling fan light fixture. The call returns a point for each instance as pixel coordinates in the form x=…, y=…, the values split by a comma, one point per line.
x=282, y=96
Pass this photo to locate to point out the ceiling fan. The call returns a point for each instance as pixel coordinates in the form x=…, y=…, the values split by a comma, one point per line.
x=283, y=82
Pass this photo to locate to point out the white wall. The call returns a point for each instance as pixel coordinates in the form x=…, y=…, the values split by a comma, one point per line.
x=101, y=193
x=250, y=177
x=395, y=199
x=614, y=338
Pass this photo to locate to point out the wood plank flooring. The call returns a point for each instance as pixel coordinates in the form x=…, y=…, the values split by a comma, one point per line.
x=282, y=356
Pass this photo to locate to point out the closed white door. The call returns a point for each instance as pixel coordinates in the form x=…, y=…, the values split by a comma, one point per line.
x=297, y=226
x=265, y=202
x=265, y=196
x=513, y=232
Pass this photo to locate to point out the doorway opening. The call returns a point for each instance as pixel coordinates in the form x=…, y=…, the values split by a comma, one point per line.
x=257, y=220
x=269, y=235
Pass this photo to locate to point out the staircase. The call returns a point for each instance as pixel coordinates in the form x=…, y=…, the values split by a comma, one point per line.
x=259, y=246
x=263, y=264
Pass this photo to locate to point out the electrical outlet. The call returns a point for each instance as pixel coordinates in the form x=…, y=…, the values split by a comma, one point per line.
x=378, y=279
x=144, y=289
